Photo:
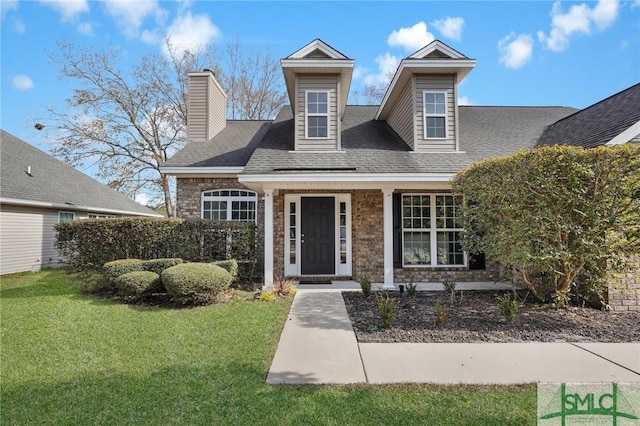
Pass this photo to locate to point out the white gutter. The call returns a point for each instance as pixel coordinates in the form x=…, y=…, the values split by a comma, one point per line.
x=200, y=170
x=69, y=206
x=348, y=177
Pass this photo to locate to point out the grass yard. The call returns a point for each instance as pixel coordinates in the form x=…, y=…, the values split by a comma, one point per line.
x=70, y=358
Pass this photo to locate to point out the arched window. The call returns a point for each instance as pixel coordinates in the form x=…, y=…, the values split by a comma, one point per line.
x=229, y=204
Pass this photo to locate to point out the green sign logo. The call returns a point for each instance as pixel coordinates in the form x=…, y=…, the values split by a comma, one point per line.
x=610, y=404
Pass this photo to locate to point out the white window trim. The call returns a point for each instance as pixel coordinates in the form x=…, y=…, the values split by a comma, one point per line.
x=229, y=199
x=433, y=232
x=294, y=269
x=71, y=213
x=307, y=114
x=98, y=216
x=425, y=114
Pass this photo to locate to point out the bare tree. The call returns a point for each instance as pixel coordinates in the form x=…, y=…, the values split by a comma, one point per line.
x=127, y=121
x=253, y=81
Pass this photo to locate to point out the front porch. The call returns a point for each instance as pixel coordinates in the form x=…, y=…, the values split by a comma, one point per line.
x=339, y=234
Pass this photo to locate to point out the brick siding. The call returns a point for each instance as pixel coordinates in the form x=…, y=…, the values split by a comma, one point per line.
x=624, y=288
x=188, y=201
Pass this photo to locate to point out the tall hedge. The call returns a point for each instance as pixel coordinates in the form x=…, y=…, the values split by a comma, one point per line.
x=559, y=218
x=93, y=242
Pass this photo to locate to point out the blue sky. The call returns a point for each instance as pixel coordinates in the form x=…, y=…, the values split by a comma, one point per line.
x=527, y=52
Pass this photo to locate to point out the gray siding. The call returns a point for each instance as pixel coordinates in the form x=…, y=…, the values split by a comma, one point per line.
x=438, y=83
x=207, y=108
x=400, y=118
x=320, y=83
x=27, y=239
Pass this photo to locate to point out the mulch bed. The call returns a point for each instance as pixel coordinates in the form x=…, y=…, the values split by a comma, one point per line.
x=475, y=317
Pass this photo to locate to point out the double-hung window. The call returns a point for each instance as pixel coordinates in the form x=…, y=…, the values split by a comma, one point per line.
x=431, y=230
x=435, y=115
x=66, y=216
x=317, y=114
x=229, y=204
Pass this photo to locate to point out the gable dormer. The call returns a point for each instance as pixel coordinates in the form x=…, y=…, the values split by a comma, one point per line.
x=421, y=101
x=317, y=79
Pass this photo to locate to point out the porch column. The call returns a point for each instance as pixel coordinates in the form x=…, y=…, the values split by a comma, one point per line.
x=387, y=195
x=268, y=236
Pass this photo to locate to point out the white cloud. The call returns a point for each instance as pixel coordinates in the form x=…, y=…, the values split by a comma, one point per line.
x=150, y=37
x=515, y=51
x=635, y=4
x=68, y=9
x=19, y=26
x=463, y=100
x=85, y=28
x=411, y=38
x=189, y=32
x=578, y=20
x=387, y=65
x=130, y=15
x=7, y=5
x=142, y=199
x=605, y=13
x=359, y=72
x=450, y=27
x=22, y=82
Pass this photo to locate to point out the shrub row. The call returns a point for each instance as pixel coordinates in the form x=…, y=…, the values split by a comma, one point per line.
x=186, y=283
x=89, y=244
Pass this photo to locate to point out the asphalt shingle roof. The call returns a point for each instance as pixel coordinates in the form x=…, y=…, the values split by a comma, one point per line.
x=598, y=124
x=368, y=146
x=52, y=181
x=371, y=146
x=233, y=146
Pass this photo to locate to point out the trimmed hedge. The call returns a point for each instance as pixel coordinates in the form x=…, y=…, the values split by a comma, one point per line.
x=195, y=283
x=134, y=284
x=89, y=244
x=112, y=270
x=159, y=265
x=231, y=266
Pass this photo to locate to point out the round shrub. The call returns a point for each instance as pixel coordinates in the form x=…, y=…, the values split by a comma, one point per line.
x=112, y=270
x=134, y=284
x=159, y=265
x=231, y=266
x=195, y=283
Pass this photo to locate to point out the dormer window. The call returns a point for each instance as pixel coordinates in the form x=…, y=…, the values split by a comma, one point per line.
x=435, y=115
x=317, y=114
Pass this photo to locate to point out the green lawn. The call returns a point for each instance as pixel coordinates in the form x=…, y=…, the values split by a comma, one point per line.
x=69, y=358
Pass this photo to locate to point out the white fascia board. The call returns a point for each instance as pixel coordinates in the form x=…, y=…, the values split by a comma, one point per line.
x=349, y=177
x=72, y=207
x=175, y=171
x=458, y=66
x=438, y=45
x=317, y=44
x=625, y=136
x=317, y=63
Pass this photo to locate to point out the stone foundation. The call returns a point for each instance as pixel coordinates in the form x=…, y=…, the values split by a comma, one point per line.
x=624, y=288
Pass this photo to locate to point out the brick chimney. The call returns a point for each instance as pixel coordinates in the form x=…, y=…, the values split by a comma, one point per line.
x=206, y=106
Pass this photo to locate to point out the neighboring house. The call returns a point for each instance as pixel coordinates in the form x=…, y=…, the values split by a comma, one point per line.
x=341, y=191
x=36, y=192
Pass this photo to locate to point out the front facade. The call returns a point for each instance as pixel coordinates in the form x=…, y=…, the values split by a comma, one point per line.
x=36, y=192
x=342, y=191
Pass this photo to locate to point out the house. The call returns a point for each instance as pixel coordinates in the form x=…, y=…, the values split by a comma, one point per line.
x=342, y=191
x=36, y=192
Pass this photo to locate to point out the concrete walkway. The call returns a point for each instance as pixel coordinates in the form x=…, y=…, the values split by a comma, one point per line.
x=318, y=345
